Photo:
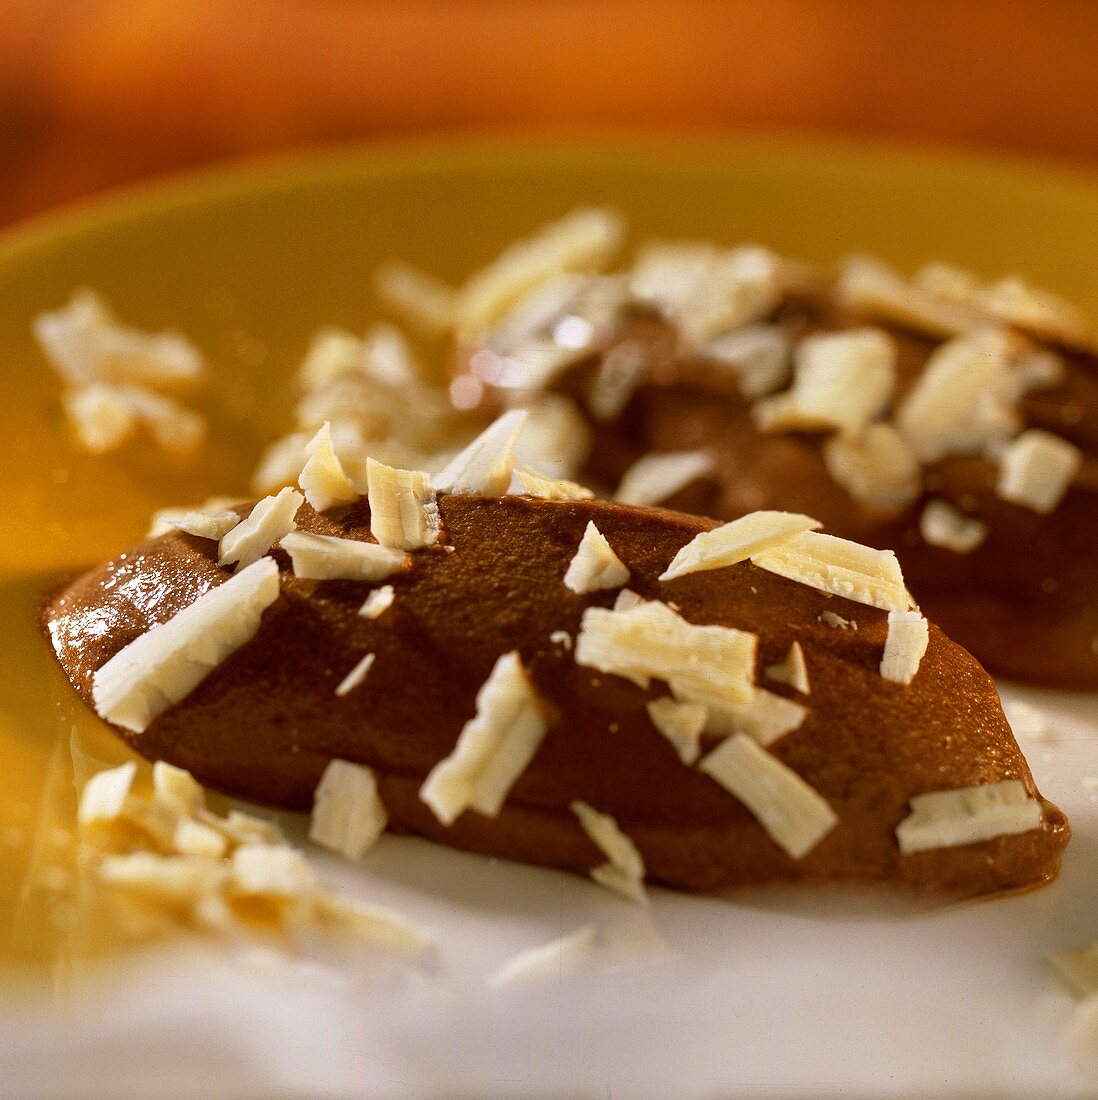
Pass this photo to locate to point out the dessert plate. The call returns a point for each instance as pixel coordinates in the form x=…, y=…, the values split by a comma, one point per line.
x=756, y=993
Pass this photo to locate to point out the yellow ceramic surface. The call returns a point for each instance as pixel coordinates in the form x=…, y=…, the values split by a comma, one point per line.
x=250, y=262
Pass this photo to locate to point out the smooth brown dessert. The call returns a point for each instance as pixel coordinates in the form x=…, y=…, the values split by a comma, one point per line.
x=493, y=631
x=954, y=422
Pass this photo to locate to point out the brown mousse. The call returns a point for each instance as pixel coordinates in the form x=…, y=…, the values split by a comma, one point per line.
x=264, y=724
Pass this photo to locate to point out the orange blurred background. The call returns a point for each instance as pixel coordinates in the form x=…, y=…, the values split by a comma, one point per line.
x=99, y=92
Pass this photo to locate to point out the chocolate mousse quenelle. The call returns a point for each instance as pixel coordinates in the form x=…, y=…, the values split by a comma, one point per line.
x=953, y=421
x=493, y=659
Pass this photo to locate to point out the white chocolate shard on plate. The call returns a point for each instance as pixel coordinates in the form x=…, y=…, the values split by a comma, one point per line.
x=328, y=557
x=940, y=524
x=176, y=788
x=486, y=465
x=551, y=961
x=375, y=924
x=322, y=479
x=655, y=478
x=348, y=815
x=104, y=415
x=795, y=816
x=701, y=664
x=103, y=798
x=493, y=749
x=793, y=670
x=271, y=519
x=840, y=382
x=1036, y=469
x=624, y=870
x=946, y=819
x=594, y=566
x=841, y=567
x=355, y=677
x=272, y=871
x=737, y=541
x=908, y=637
x=1079, y=968
x=166, y=663
x=84, y=342
x=765, y=717
x=171, y=880
x=681, y=723
x=403, y=510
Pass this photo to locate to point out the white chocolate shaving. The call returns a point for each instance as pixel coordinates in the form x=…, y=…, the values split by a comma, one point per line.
x=193, y=838
x=426, y=303
x=583, y=240
x=908, y=637
x=323, y=479
x=765, y=717
x=403, y=511
x=792, y=671
x=378, y=602
x=1079, y=969
x=374, y=924
x=619, y=373
x=878, y=469
x=624, y=870
x=761, y=356
x=486, y=465
x=943, y=525
x=556, y=438
x=840, y=381
x=1036, y=470
x=840, y=567
x=348, y=815
x=548, y=962
x=493, y=749
x=85, y=343
x=329, y=558
x=681, y=724
x=176, y=788
x=654, y=478
x=946, y=819
x=105, y=415
x=532, y=484
x=273, y=871
x=737, y=541
x=103, y=798
x=594, y=566
x=705, y=289
x=957, y=405
x=701, y=664
x=270, y=520
x=355, y=677
x=795, y=816
x=170, y=660
x=204, y=525
x=170, y=880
